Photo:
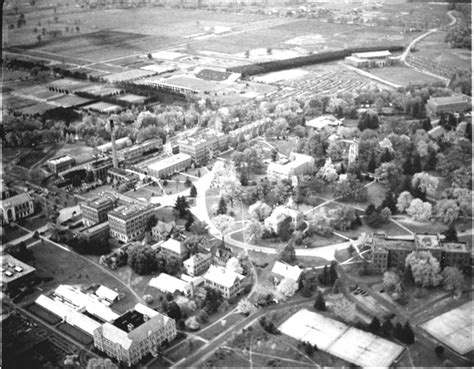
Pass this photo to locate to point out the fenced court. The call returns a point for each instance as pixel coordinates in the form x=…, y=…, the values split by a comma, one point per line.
x=454, y=328
x=338, y=339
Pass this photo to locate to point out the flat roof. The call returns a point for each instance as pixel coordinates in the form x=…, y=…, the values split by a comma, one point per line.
x=128, y=211
x=61, y=159
x=373, y=54
x=131, y=98
x=168, y=283
x=454, y=328
x=103, y=107
x=458, y=98
x=169, y=161
x=132, y=318
x=100, y=201
x=188, y=82
x=348, y=343
x=13, y=268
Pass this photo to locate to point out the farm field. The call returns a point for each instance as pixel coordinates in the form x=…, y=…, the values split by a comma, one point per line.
x=403, y=76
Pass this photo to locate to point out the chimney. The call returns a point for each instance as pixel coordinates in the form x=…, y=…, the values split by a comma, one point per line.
x=145, y=318
x=130, y=327
x=114, y=148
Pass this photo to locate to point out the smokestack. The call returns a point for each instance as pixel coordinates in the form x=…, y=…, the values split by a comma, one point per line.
x=114, y=148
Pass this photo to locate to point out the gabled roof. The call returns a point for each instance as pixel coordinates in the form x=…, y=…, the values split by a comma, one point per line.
x=286, y=271
x=174, y=246
x=168, y=283
x=106, y=293
x=222, y=276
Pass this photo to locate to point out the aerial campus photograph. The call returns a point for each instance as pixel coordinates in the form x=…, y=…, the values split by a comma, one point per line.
x=223, y=183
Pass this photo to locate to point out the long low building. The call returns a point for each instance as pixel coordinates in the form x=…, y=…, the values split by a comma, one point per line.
x=170, y=165
x=296, y=164
x=136, y=151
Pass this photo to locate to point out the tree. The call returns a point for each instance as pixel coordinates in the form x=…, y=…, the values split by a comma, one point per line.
x=151, y=222
x=453, y=280
x=192, y=323
x=372, y=165
x=387, y=328
x=260, y=211
x=342, y=217
x=404, y=200
x=193, y=191
x=284, y=229
x=389, y=174
x=344, y=309
x=408, y=336
x=328, y=172
x=142, y=260
x=288, y=254
x=389, y=202
x=451, y=235
x=374, y=326
x=319, y=303
x=254, y=231
x=287, y=287
x=174, y=311
x=425, y=183
x=233, y=265
x=222, y=206
x=181, y=206
x=447, y=210
x=425, y=268
x=199, y=228
x=419, y=210
x=391, y=282
x=245, y=307
x=223, y=223
x=101, y=364
x=213, y=300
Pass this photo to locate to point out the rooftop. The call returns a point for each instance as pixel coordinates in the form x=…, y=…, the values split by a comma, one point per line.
x=456, y=247
x=168, y=283
x=100, y=201
x=373, y=54
x=322, y=121
x=128, y=211
x=132, y=319
x=169, y=161
x=196, y=258
x=454, y=99
x=222, y=276
x=174, y=246
x=287, y=271
x=293, y=161
x=188, y=82
x=19, y=199
x=428, y=241
x=13, y=269
x=151, y=141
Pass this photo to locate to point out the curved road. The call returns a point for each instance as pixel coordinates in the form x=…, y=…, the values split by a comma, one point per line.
x=421, y=37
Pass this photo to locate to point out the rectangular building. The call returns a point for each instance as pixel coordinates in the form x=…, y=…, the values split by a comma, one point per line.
x=162, y=230
x=16, y=207
x=168, y=284
x=448, y=104
x=15, y=273
x=204, y=146
x=135, y=334
x=170, y=165
x=197, y=264
x=122, y=176
x=98, y=231
x=95, y=211
x=224, y=280
x=370, y=59
x=136, y=151
x=173, y=248
x=99, y=168
x=391, y=253
x=60, y=163
x=296, y=164
x=120, y=143
x=128, y=222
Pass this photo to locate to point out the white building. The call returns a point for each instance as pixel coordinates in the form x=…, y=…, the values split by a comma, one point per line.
x=172, y=247
x=226, y=281
x=170, y=165
x=282, y=270
x=295, y=165
x=168, y=284
x=197, y=264
x=322, y=122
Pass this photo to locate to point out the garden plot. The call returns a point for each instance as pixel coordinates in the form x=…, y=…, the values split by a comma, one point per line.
x=454, y=328
x=338, y=339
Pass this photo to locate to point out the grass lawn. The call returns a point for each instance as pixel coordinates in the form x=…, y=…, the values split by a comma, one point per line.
x=96, y=191
x=419, y=227
x=239, y=209
x=226, y=358
x=320, y=241
x=69, y=268
x=389, y=228
x=12, y=232
x=184, y=349
x=34, y=223
x=174, y=186
x=403, y=76
x=44, y=314
x=218, y=328
x=145, y=193
x=75, y=333
x=30, y=158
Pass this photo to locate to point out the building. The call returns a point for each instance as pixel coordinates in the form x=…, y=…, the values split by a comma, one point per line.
x=98, y=231
x=173, y=248
x=251, y=130
x=15, y=273
x=448, y=104
x=170, y=165
x=185, y=84
x=162, y=230
x=16, y=207
x=99, y=168
x=371, y=59
x=120, y=143
x=391, y=253
x=122, y=176
x=295, y=165
x=106, y=294
x=128, y=222
x=282, y=270
x=95, y=211
x=136, y=151
x=60, y=163
x=322, y=122
x=168, y=284
x=224, y=280
x=201, y=148
x=135, y=334
x=197, y=264
x=5, y=190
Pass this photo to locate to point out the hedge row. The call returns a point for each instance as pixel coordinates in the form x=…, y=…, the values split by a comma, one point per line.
x=328, y=56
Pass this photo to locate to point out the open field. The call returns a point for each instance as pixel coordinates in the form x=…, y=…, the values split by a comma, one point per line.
x=403, y=76
x=69, y=268
x=184, y=349
x=218, y=328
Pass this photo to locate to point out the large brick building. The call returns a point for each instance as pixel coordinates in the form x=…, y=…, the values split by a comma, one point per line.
x=391, y=253
x=200, y=148
x=135, y=334
x=128, y=222
x=95, y=211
